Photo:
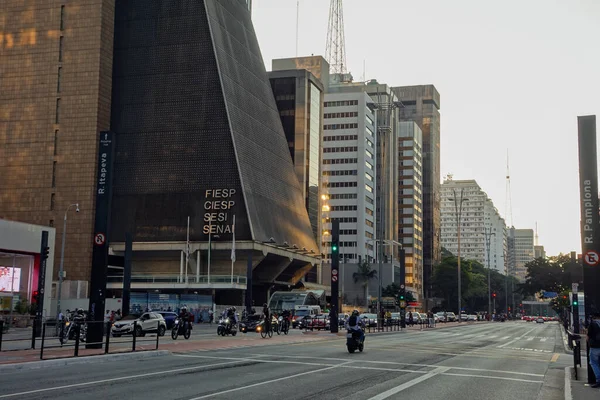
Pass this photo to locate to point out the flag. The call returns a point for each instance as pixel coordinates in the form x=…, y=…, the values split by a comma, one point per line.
x=233, y=245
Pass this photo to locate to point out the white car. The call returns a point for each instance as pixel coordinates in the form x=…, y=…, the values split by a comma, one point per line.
x=147, y=322
x=539, y=320
x=472, y=317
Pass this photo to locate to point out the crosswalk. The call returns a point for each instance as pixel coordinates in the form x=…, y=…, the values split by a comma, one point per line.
x=494, y=337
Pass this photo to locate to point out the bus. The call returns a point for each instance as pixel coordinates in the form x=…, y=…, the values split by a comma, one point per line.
x=280, y=301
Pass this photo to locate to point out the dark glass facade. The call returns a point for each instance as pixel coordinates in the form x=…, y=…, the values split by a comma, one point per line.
x=198, y=131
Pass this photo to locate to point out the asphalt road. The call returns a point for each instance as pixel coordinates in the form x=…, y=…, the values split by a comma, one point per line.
x=511, y=360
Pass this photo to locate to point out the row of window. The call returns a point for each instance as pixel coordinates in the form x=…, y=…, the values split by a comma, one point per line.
x=342, y=244
x=340, y=184
x=341, y=103
x=340, y=196
x=345, y=219
x=343, y=208
x=340, y=149
x=341, y=115
x=340, y=161
x=341, y=172
x=339, y=137
x=340, y=126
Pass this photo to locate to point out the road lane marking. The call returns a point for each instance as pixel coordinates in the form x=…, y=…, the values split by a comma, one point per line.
x=568, y=395
x=543, y=339
x=505, y=337
x=73, y=385
x=491, y=377
x=399, y=363
x=268, y=382
x=406, y=385
x=514, y=340
x=555, y=357
x=529, y=339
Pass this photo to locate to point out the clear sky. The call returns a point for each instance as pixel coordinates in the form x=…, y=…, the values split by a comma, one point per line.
x=513, y=76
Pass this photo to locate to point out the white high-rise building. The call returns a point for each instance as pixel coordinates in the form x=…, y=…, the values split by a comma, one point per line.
x=477, y=215
x=349, y=172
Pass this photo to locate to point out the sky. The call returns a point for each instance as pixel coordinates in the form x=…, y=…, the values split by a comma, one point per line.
x=513, y=76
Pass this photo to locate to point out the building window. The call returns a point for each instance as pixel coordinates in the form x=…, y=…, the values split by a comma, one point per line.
x=62, y=18
x=57, y=116
x=369, y=211
x=51, y=223
x=343, y=208
x=369, y=177
x=54, y=174
x=369, y=143
x=369, y=223
x=56, y=142
x=52, y=198
x=369, y=200
x=340, y=184
x=368, y=188
x=367, y=152
x=368, y=165
x=340, y=172
x=59, y=79
x=60, y=48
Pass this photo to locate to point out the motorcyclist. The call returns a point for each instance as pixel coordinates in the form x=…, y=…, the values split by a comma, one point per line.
x=286, y=314
x=184, y=316
x=355, y=324
x=232, y=315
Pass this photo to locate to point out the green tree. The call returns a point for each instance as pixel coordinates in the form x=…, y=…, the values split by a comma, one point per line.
x=393, y=289
x=363, y=276
x=549, y=274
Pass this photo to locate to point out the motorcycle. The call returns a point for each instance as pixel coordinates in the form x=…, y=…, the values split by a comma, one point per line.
x=226, y=327
x=179, y=328
x=283, y=326
x=353, y=341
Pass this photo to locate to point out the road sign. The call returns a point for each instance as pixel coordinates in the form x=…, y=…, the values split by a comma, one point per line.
x=574, y=287
x=402, y=303
x=334, y=278
x=334, y=272
x=401, y=286
x=99, y=239
x=591, y=258
x=549, y=295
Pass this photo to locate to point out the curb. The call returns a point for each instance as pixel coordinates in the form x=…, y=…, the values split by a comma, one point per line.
x=565, y=340
x=82, y=360
x=568, y=377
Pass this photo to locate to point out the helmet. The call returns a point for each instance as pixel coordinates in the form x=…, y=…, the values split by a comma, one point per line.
x=265, y=305
x=233, y=309
x=80, y=311
x=184, y=308
x=355, y=313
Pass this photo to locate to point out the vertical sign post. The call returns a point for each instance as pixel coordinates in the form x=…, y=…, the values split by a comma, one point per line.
x=402, y=287
x=249, y=284
x=588, y=189
x=100, y=239
x=127, y=274
x=44, y=254
x=335, y=275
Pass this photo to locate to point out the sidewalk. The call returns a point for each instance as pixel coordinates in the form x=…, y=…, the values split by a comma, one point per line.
x=579, y=389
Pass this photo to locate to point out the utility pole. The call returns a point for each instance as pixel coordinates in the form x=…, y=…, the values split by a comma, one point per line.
x=458, y=212
x=488, y=235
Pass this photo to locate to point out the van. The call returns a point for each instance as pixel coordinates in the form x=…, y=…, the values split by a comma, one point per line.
x=301, y=312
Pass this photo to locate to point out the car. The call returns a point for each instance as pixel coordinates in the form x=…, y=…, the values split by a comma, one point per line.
x=369, y=319
x=471, y=317
x=539, y=320
x=299, y=314
x=451, y=317
x=441, y=317
x=342, y=318
x=250, y=323
x=169, y=317
x=318, y=322
x=146, y=323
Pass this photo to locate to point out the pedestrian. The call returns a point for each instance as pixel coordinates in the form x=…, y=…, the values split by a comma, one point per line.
x=593, y=342
x=211, y=316
x=411, y=320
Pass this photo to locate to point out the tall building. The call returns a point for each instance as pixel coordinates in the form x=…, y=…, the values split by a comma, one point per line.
x=56, y=63
x=349, y=171
x=539, y=251
x=410, y=202
x=477, y=216
x=299, y=98
x=198, y=138
x=421, y=104
x=522, y=251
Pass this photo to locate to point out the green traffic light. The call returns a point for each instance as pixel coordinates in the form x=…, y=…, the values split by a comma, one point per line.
x=334, y=248
x=575, y=303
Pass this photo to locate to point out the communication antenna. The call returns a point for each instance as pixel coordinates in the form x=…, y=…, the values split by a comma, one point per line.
x=335, y=48
x=508, y=214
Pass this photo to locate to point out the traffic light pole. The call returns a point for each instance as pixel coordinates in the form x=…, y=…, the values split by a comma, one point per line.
x=335, y=268
x=44, y=253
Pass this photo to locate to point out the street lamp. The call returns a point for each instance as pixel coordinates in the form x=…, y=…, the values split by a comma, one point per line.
x=62, y=257
x=488, y=236
x=458, y=210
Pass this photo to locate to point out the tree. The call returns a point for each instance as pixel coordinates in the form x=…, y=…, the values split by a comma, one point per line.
x=393, y=289
x=363, y=276
x=549, y=274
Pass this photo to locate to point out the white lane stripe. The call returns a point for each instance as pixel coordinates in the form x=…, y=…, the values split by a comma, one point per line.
x=529, y=339
x=396, y=363
x=267, y=382
x=491, y=377
x=514, y=340
x=73, y=385
x=505, y=337
x=542, y=339
x=491, y=337
x=406, y=385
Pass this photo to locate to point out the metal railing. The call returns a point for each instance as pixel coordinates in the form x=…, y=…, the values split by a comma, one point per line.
x=237, y=279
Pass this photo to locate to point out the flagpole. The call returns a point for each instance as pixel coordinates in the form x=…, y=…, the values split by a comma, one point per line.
x=233, y=249
x=187, y=250
x=209, y=234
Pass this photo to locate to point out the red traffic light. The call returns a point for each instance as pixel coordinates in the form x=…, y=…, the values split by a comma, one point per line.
x=36, y=296
x=493, y=294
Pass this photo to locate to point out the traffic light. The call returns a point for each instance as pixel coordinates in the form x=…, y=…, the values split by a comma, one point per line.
x=401, y=295
x=494, y=294
x=45, y=253
x=36, y=297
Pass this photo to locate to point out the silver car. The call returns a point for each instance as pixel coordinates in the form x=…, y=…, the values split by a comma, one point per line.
x=146, y=323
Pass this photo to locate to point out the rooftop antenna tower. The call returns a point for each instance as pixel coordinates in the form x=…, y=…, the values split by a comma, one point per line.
x=335, y=48
x=508, y=211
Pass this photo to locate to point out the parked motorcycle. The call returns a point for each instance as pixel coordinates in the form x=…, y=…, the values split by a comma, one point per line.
x=226, y=327
x=179, y=328
x=353, y=341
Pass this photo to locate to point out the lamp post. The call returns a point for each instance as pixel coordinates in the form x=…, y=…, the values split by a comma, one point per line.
x=488, y=236
x=458, y=210
x=62, y=257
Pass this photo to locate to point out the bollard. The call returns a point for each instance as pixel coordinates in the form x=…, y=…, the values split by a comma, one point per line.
x=157, y=329
x=77, y=330
x=42, y=345
x=134, y=334
x=106, y=347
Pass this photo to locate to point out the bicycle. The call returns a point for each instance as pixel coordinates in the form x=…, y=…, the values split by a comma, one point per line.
x=265, y=331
